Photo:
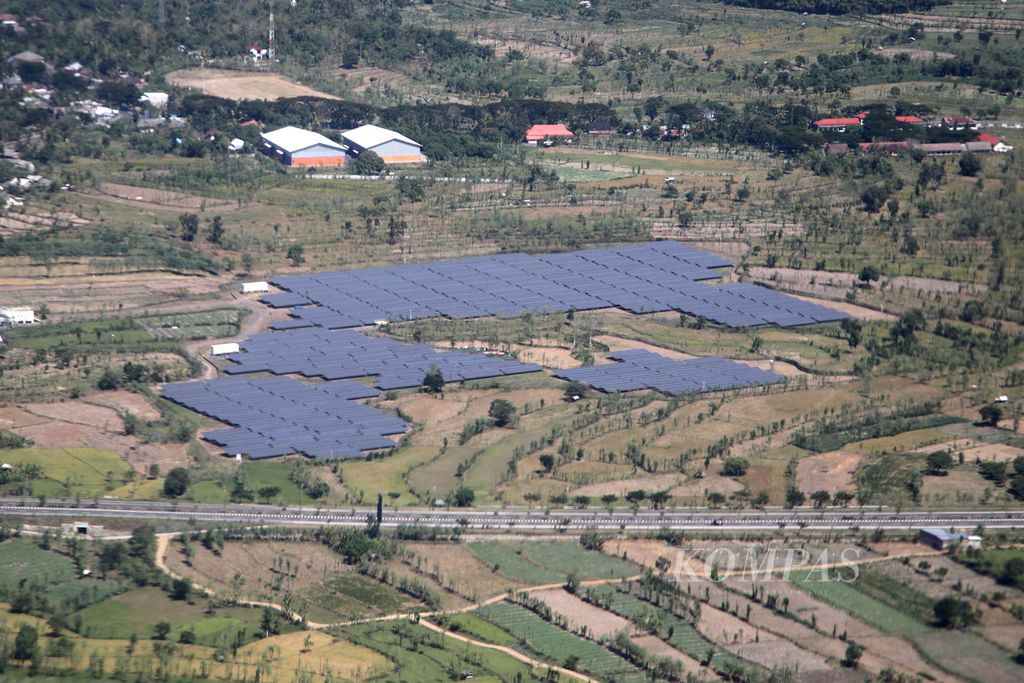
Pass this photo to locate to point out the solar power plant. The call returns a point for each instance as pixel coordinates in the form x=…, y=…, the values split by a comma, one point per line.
x=640, y=369
x=280, y=416
x=345, y=354
x=640, y=278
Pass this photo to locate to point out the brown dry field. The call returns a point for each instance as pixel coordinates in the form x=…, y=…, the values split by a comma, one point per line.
x=457, y=564
x=620, y=487
x=647, y=553
x=546, y=355
x=120, y=399
x=828, y=472
x=255, y=562
x=79, y=423
x=882, y=649
x=164, y=199
x=240, y=85
x=619, y=344
x=915, y=54
x=862, y=312
x=600, y=623
x=365, y=77
x=659, y=648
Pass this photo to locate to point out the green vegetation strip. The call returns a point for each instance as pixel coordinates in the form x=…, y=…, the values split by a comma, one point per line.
x=861, y=605
x=557, y=645
x=550, y=562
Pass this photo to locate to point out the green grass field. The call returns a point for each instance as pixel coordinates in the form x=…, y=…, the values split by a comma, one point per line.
x=70, y=472
x=473, y=626
x=139, y=611
x=557, y=645
x=21, y=560
x=549, y=562
x=427, y=657
x=847, y=598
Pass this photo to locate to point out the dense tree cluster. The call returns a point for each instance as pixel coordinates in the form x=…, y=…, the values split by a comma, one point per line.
x=841, y=7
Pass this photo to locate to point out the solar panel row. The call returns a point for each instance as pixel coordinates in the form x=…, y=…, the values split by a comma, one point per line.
x=280, y=416
x=641, y=278
x=345, y=354
x=640, y=369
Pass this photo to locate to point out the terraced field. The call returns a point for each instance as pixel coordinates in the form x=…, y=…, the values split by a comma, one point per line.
x=551, y=562
x=557, y=645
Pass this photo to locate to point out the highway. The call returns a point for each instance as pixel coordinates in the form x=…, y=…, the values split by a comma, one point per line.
x=515, y=518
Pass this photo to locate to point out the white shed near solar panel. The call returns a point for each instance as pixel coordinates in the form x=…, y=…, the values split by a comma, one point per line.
x=255, y=288
x=224, y=349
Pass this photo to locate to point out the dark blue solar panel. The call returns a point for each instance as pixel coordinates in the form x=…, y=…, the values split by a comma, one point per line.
x=641, y=369
x=279, y=416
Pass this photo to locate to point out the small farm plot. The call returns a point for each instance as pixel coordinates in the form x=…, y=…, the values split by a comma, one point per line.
x=66, y=472
x=549, y=562
x=579, y=614
x=212, y=324
x=861, y=605
x=557, y=645
x=21, y=560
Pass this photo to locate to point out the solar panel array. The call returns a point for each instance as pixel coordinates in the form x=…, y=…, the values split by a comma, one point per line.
x=641, y=278
x=640, y=369
x=345, y=354
x=280, y=416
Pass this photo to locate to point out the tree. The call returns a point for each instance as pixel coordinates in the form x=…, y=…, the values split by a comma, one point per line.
x=26, y=643
x=142, y=543
x=821, y=498
x=433, y=381
x=350, y=56
x=161, y=630
x=970, y=165
x=502, y=412
x=547, y=461
x=109, y=380
x=659, y=498
x=297, y=254
x=181, y=589
x=795, y=498
x=177, y=482
x=939, y=463
x=991, y=414
x=869, y=274
x=574, y=390
x=852, y=657
x=873, y=197
x=853, y=330
x=1012, y=572
x=187, y=637
x=189, y=226
x=954, y=613
x=716, y=499
x=368, y=163
x=636, y=496
x=735, y=466
x=216, y=235
x=462, y=496
x=268, y=492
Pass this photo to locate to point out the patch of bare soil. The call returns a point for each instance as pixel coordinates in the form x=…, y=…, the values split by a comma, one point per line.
x=78, y=412
x=620, y=487
x=659, y=648
x=599, y=623
x=241, y=85
x=700, y=488
x=454, y=565
x=368, y=77
x=827, y=472
x=619, y=344
x=548, y=356
x=862, y=312
x=650, y=554
x=12, y=417
x=136, y=404
x=914, y=54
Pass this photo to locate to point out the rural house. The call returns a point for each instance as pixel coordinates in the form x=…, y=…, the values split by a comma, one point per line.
x=940, y=539
x=547, y=133
x=838, y=125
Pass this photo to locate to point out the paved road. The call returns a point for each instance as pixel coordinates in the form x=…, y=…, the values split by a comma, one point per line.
x=522, y=519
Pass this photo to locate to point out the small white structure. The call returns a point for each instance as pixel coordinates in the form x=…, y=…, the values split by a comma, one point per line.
x=154, y=100
x=236, y=145
x=17, y=316
x=1002, y=399
x=255, y=288
x=222, y=349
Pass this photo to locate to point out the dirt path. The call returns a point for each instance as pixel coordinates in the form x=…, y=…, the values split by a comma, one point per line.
x=257, y=321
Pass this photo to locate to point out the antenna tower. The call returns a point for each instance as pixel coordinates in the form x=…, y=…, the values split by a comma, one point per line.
x=271, y=50
x=161, y=15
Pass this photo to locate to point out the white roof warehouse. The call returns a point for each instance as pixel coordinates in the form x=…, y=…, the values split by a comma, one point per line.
x=299, y=147
x=392, y=147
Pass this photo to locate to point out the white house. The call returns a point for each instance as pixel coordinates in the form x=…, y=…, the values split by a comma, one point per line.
x=255, y=288
x=17, y=316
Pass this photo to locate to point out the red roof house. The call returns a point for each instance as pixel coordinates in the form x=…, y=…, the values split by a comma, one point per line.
x=836, y=124
x=545, y=131
x=991, y=139
x=912, y=120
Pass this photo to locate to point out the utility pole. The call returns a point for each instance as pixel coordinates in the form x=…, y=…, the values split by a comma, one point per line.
x=271, y=49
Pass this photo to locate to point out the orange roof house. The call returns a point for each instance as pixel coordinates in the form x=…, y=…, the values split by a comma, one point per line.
x=547, y=131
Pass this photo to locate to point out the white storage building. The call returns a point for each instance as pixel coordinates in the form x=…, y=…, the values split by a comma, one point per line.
x=221, y=349
x=17, y=316
x=303, y=148
x=392, y=147
x=255, y=288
